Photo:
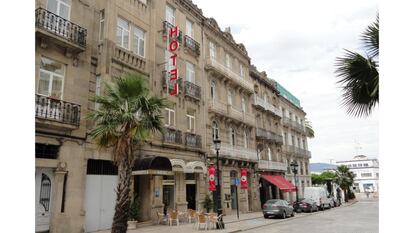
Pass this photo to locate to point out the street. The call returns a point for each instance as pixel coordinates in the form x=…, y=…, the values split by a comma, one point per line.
x=361, y=217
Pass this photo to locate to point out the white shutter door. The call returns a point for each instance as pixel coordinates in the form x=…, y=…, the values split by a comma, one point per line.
x=108, y=199
x=92, y=202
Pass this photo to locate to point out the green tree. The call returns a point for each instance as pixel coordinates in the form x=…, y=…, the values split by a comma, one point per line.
x=345, y=179
x=359, y=75
x=125, y=119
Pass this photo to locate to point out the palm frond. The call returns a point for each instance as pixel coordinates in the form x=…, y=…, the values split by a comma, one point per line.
x=370, y=37
x=359, y=82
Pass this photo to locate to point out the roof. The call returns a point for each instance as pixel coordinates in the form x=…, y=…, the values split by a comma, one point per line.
x=289, y=96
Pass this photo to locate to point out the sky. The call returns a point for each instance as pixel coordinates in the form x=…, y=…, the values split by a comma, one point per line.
x=296, y=43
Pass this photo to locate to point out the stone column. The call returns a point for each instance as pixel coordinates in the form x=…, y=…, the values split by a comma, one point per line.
x=57, y=194
x=156, y=196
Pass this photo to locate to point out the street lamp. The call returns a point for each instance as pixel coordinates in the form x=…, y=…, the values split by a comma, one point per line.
x=217, y=144
x=294, y=166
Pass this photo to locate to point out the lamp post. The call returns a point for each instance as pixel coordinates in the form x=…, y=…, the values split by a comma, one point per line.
x=294, y=166
x=217, y=144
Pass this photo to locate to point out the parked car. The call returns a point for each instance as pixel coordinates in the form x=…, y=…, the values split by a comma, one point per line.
x=278, y=208
x=296, y=206
x=307, y=205
x=319, y=195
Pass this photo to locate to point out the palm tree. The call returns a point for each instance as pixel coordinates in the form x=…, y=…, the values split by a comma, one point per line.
x=125, y=119
x=344, y=178
x=359, y=76
x=309, y=130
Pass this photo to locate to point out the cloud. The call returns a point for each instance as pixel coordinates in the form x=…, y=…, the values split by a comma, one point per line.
x=297, y=43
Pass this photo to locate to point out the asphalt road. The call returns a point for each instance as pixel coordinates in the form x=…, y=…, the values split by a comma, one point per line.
x=361, y=217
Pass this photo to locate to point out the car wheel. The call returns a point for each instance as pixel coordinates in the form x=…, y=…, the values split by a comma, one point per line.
x=266, y=216
x=293, y=214
x=283, y=215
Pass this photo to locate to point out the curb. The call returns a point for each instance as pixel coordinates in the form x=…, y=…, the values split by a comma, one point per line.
x=285, y=220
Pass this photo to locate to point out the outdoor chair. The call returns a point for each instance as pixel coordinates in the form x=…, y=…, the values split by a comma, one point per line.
x=173, y=216
x=191, y=215
x=201, y=219
x=214, y=219
x=161, y=218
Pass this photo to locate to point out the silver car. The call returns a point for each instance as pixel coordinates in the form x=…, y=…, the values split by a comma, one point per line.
x=278, y=208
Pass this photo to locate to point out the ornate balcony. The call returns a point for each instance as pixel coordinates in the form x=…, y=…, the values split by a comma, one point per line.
x=235, y=152
x=261, y=103
x=59, y=111
x=229, y=111
x=219, y=69
x=287, y=122
x=192, y=45
x=269, y=136
x=192, y=90
x=66, y=33
x=172, y=136
x=127, y=58
x=272, y=165
x=166, y=25
x=193, y=140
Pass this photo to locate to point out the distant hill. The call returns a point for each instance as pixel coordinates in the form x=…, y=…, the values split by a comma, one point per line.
x=320, y=167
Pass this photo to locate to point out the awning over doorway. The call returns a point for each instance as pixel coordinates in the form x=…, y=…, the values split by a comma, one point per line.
x=280, y=182
x=152, y=165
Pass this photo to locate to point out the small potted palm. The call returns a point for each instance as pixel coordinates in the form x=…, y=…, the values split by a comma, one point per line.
x=133, y=213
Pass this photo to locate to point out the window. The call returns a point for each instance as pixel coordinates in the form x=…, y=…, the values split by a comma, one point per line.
x=269, y=153
x=170, y=15
x=359, y=164
x=215, y=129
x=298, y=143
x=97, y=89
x=190, y=75
x=366, y=174
x=365, y=164
x=190, y=123
x=212, y=50
x=293, y=140
x=245, y=139
x=354, y=165
x=241, y=70
x=189, y=28
x=228, y=63
x=101, y=24
x=122, y=33
x=285, y=139
x=213, y=89
x=59, y=7
x=244, y=107
x=51, y=78
x=232, y=135
x=138, y=41
x=169, y=117
x=303, y=144
x=230, y=95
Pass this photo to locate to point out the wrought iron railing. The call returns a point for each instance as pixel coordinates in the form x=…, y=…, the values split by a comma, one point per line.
x=61, y=27
x=57, y=110
x=192, y=140
x=191, y=44
x=167, y=25
x=173, y=136
x=192, y=90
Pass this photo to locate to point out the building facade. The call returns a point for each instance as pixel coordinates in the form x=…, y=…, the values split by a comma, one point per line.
x=80, y=45
x=366, y=172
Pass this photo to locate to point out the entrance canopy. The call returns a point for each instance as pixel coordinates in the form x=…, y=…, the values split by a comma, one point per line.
x=153, y=165
x=280, y=182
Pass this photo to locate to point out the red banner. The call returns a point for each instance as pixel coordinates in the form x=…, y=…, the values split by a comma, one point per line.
x=212, y=178
x=243, y=178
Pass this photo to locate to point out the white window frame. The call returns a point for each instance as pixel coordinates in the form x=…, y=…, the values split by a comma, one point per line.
x=170, y=14
x=101, y=24
x=139, y=35
x=269, y=153
x=244, y=105
x=170, y=113
x=232, y=136
x=123, y=32
x=212, y=50
x=190, y=72
x=216, y=130
x=51, y=75
x=213, y=87
x=191, y=123
x=228, y=62
x=189, y=28
x=245, y=139
x=58, y=5
x=241, y=70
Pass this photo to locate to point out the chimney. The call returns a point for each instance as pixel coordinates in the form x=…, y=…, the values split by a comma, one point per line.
x=227, y=29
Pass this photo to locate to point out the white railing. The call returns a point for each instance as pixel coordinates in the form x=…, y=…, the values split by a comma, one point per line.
x=230, y=74
x=272, y=165
x=267, y=106
x=235, y=152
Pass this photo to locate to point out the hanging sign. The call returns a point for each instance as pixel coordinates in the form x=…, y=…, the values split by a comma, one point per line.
x=211, y=178
x=173, y=45
x=243, y=178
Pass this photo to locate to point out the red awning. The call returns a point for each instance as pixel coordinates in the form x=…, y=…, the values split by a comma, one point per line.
x=280, y=182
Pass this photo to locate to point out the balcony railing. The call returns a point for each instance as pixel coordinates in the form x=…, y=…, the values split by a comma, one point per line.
x=212, y=63
x=192, y=45
x=192, y=90
x=172, y=136
x=287, y=122
x=61, y=27
x=192, y=140
x=269, y=136
x=218, y=107
x=127, y=58
x=236, y=152
x=165, y=32
x=266, y=106
x=57, y=110
x=272, y=165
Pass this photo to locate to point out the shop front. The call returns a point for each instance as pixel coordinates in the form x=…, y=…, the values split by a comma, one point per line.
x=274, y=187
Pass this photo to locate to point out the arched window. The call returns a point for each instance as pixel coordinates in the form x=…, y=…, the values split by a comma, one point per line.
x=213, y=89
x=215, y=129
x=45, y=190
x=244, y=107
x=269, y=153
x=232, y=135
x=245, y=139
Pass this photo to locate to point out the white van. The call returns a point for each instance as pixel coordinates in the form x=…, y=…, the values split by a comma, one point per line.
x=319, y=195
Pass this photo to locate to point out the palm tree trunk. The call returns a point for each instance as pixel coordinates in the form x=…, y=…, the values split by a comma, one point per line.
x=346, y=195
x=123, y=198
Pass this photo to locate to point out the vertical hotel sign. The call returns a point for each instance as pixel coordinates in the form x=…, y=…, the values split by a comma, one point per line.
x=172, y=70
